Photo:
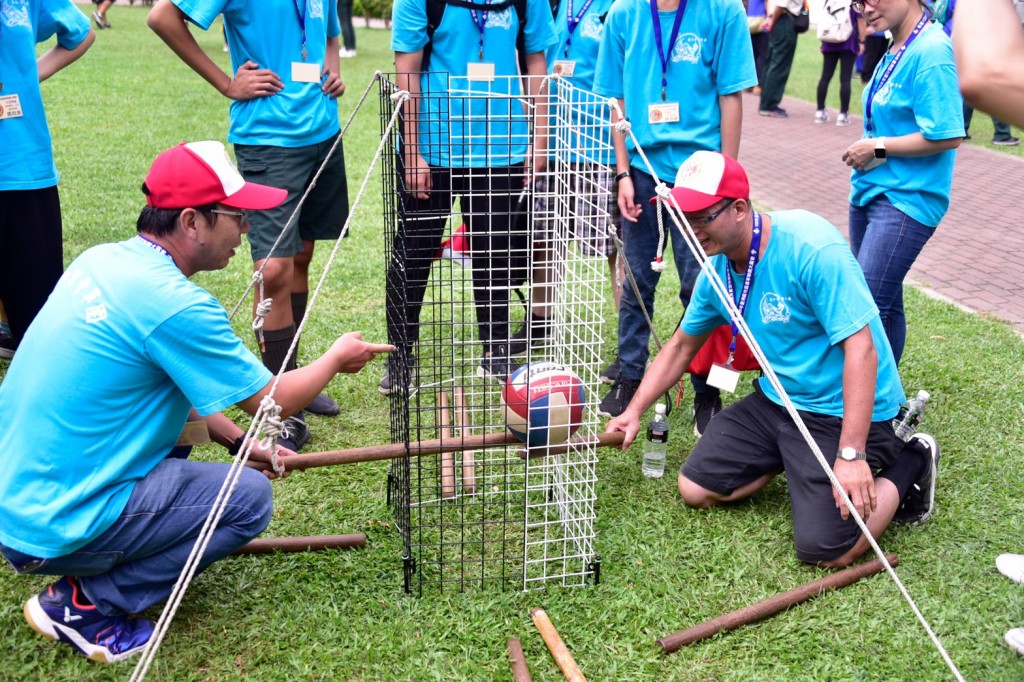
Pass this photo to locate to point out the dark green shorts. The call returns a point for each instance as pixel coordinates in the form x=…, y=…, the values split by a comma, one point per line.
x=292, y=168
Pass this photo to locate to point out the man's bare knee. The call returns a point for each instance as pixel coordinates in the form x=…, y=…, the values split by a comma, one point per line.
x=695, y=495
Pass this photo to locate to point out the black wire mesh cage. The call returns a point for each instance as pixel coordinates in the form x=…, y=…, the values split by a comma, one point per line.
x=490, y=268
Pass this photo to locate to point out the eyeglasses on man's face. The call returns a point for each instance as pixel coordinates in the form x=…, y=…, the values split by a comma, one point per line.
x=243, y=216
x=703, y=221
x=859, y=5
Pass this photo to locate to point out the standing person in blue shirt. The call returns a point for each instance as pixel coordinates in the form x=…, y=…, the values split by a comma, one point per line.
x=804, y=298
x=31, y=233
x=284, y=121
x=678, y=70
x=464, y=135
x=126, y=350
x=903, y=165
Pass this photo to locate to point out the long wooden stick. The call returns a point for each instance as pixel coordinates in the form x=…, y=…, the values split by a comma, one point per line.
x=772, y=605
x=374, y=453
x=462, y=418
x=517, y=661
x=557, y=648
x=306, y=543
x=447, y=458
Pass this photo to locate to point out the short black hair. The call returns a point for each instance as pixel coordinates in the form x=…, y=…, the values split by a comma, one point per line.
x=161, y=222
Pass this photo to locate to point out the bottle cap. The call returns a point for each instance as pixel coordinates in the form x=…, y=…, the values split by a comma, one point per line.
x=659, y=408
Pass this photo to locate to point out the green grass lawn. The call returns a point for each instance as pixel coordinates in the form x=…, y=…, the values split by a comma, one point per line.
x=342, y=615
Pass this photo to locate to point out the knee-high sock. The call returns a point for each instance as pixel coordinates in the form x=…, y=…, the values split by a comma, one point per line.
x=277, y=342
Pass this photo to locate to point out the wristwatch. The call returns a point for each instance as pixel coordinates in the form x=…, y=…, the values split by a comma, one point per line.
x=849, y=454
x=879, y=147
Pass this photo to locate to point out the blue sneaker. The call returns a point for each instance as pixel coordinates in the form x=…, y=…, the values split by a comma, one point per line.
x=57, y=613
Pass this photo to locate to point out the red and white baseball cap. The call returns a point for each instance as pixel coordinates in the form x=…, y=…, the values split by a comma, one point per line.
x=706, y=178
x=201, y=173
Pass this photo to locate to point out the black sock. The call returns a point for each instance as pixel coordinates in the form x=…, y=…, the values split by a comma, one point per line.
x=299, y=301
x=910, y=466
x=277, y=342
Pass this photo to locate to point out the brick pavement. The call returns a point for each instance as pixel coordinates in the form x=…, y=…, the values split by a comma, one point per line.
x=975, y=259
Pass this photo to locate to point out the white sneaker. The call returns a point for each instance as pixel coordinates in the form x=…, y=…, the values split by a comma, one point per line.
x=345, y=53
x=1012, y=566
x=843, y=119
x=821, y=116
x=1015, y=638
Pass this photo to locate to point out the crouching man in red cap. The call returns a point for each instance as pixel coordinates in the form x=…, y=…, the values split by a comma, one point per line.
x=801, y=292
x=124, y=351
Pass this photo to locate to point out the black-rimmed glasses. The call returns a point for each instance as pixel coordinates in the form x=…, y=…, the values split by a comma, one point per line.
x=703, y=221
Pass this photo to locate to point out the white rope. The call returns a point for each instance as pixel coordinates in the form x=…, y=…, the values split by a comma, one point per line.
x=266, y=419
x=665, y=196
x=263, y=307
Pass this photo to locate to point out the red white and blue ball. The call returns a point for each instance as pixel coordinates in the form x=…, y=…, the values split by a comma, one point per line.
x=542, y=403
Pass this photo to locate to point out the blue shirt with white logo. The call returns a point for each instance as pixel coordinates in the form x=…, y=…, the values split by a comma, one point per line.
x=807, y=296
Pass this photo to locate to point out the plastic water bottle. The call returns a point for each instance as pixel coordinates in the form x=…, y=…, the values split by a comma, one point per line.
x=909, y=417
x=656, y=446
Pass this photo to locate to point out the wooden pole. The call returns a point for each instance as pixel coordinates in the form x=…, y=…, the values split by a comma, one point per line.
x=306, y=543
x=517, y=661
x=557, y=647
x=374, y=453
x=447, y=458
x=769, y=607
x=462, y=418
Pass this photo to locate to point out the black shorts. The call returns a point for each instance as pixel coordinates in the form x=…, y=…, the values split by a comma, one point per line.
x=754, y=437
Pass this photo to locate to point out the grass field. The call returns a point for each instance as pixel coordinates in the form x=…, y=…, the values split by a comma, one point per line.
x=342, y=615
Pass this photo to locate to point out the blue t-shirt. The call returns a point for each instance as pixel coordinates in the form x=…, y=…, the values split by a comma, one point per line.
x=921, y=96
x=26, y=160
x=756, y=8
x=712, y=56
x=807, y=296
x=471, y=123
x=269, y=33
x=101, y=388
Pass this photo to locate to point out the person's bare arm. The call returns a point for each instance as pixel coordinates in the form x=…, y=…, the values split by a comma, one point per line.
x=988, y=44
x=861, y=152
x=860, y=368
x=537, y=68
x=417, y=172
x=732, y=123
x=57, y=57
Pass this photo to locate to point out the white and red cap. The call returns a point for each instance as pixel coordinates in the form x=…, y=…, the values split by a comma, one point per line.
x=197, y=174
x=706, y=178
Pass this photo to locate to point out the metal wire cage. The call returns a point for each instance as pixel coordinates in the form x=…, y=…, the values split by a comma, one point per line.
x=517, y=274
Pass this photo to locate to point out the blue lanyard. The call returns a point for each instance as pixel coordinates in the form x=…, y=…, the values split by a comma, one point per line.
x=878, y=83
x=153, y=245
x=748, y=280
x=573, y=21
x=671, y=39
x=481, y=24
x=301, y=11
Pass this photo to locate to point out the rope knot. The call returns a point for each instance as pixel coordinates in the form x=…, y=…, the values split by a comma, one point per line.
x=622, y=126
x=663, y=191
x=272, y=426
x=658, y=264
x=400, y=96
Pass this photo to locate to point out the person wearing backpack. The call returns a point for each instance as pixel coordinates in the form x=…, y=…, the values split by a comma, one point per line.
x=841, y=31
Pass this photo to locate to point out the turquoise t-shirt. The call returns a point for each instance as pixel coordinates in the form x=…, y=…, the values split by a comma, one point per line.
x=712, y=56
x=808, y=294
x=921, y=96
x=101, y=388
x=26, y=157
x=269, y=33
x=471, y=123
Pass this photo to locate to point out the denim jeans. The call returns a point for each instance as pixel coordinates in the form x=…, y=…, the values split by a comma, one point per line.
x=640, y=241
x=135, y=563
x=886, y=242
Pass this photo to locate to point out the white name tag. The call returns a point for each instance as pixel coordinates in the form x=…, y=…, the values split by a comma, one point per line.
x=304, y=72
x=723, y=377
x=482, y=71
x=665, y=112
x=564, y=67
x=10, y=107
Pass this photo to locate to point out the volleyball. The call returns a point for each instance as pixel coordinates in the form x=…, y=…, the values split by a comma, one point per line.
x=543, y=403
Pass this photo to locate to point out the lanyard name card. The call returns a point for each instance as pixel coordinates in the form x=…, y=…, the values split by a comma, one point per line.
x=573, y=20
x=480, y=19
x=153, y=245
x=671, y=39
x=301, y=11
x=878, y=83
x=748, y=280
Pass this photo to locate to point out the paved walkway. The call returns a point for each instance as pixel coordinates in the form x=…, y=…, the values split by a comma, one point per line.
x=975, y=259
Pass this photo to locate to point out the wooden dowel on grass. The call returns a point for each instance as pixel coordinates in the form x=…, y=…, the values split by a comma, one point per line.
x=557, y=648
x=462, y=418
x=517, y=661
x=769, y=607
x=447, y=458
x=305, y=543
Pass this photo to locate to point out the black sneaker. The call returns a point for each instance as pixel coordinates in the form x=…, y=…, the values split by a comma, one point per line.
x=294, y=433
x=537, y=329
x=392, y=370
x=498, y=365
x=58, y=612
x=705, y=406
x=610, y=374
x=324, y=406
x=616, y=401
x=919, y=502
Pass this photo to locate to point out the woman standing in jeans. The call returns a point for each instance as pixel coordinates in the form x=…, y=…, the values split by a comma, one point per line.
x=903, y=165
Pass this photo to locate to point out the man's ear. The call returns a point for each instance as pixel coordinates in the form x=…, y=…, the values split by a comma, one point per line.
x=187, y=223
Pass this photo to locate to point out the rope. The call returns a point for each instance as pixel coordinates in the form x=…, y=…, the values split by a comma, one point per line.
x=266, y=419
x=262, y=310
